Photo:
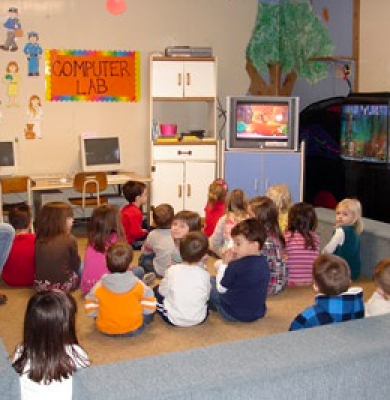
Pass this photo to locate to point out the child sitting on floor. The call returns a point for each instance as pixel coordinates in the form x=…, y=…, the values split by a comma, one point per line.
x=215, y=207
x=379, y=302
x=281, y=196
x=183, y=222
x=183, y=293
x=19, y=269
x=335, y=301
x=158, y=247
x=264, y=210
x=345, y=241
x=302, y=244
x=104, y=229
x=120, y=302
x=239, y=290
x=135, y=226
x=236, y=211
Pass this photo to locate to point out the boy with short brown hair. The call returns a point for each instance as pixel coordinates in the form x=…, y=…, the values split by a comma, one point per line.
x=335, y=301
x=120, y=302
x=379, y=302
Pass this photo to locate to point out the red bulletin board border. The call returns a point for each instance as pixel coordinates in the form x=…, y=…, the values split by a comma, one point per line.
x=92, y=75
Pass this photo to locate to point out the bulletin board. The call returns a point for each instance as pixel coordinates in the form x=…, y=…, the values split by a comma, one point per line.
x=92, y=75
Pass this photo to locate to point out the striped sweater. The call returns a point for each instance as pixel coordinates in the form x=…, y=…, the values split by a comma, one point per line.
x=118, y=302
x=300, y=259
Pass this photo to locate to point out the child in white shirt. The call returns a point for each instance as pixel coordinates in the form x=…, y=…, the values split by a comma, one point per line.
x=379, y=303
x=183, y=294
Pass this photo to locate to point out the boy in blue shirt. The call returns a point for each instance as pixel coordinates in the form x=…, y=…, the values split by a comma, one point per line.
x=239, y=290
x=335, y=301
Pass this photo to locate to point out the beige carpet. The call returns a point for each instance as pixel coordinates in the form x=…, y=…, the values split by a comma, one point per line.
x=159, y=337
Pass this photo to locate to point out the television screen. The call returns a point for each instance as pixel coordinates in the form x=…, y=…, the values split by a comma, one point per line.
x=261, y=122
x=100, y=154
x=7, y=158
x=364, y=132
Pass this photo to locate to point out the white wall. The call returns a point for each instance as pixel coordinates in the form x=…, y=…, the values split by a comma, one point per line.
x=147, y=26
x=374, y=75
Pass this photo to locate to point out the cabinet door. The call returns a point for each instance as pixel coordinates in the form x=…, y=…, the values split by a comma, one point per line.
x=167, y=79
x=198, y=176
x=242, y=171
x=199, y=79
x=282, y=168
x=168, y=184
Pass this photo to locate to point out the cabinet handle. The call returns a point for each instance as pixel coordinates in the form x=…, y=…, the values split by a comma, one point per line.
x=183, y=153
x=179, y=191
x=266, y=184
x=179, y=77
x=188, y=79
x=255, y=186
x=189, y=190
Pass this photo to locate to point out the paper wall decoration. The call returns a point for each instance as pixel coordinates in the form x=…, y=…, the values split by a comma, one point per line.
x=92, y=75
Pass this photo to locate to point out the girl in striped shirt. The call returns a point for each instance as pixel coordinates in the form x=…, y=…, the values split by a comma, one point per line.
x=302, y=244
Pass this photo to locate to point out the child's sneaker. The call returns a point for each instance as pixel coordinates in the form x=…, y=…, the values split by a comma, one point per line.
x=149, y=278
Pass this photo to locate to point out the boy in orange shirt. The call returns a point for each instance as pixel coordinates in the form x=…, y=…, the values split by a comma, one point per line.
x=120, y=302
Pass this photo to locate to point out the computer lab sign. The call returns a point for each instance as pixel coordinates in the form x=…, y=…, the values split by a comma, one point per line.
x=91, y=75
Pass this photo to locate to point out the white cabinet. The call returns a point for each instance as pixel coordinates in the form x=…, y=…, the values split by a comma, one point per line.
x=172, y=79
x=183, y=91
x=184, y=185
x=181, y=175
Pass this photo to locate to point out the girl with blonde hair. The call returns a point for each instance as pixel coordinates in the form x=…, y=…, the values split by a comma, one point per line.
x=345, y=241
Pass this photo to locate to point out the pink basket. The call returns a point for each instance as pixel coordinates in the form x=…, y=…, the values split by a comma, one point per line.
x=168, y=129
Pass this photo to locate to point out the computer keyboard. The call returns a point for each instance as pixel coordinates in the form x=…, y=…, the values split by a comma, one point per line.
x=117, y=178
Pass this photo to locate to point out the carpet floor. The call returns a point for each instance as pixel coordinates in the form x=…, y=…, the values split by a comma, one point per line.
x=159, y=337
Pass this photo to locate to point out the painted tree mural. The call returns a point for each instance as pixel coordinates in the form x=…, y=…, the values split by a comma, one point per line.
x=286, y=35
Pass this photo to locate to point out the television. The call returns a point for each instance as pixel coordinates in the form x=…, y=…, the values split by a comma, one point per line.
x=100, y=154
x=262, y=123
x=8, y=165
x=364, y=134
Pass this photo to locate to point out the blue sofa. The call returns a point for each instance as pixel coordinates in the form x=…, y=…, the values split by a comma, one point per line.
x=348, y=361
x=374, y=242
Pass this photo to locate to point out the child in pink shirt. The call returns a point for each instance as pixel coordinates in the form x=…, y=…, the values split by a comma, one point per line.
x=302, y=244
x=104, y=229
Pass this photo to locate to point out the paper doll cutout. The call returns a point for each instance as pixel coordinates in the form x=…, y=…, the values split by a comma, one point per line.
x=12, y=80
x=14, y=30
x=33, y=51
x=34, y=113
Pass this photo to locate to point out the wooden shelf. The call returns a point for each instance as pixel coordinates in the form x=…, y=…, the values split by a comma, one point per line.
x=333, y=59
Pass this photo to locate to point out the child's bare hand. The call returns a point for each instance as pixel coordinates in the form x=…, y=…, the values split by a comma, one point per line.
x=228, y=256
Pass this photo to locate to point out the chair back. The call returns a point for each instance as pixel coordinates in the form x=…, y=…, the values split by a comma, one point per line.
x=15, y=184
x=90, y=182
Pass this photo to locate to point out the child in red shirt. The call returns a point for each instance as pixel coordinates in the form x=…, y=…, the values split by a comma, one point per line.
x=136, y=229
x=215, y=206
x=19, y=268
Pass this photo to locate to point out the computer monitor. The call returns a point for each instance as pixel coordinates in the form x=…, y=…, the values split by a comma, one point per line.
x=101, y=154
x=7, y=158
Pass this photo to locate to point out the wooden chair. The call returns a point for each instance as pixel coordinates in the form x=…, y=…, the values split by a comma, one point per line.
x=90, y=185
x=11, y=185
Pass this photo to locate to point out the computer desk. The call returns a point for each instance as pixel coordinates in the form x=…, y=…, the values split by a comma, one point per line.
x=41, y=184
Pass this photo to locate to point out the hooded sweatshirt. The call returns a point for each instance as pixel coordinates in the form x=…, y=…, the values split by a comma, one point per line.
x=118, y=302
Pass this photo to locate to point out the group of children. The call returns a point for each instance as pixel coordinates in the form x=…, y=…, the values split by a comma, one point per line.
x=262, y=244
